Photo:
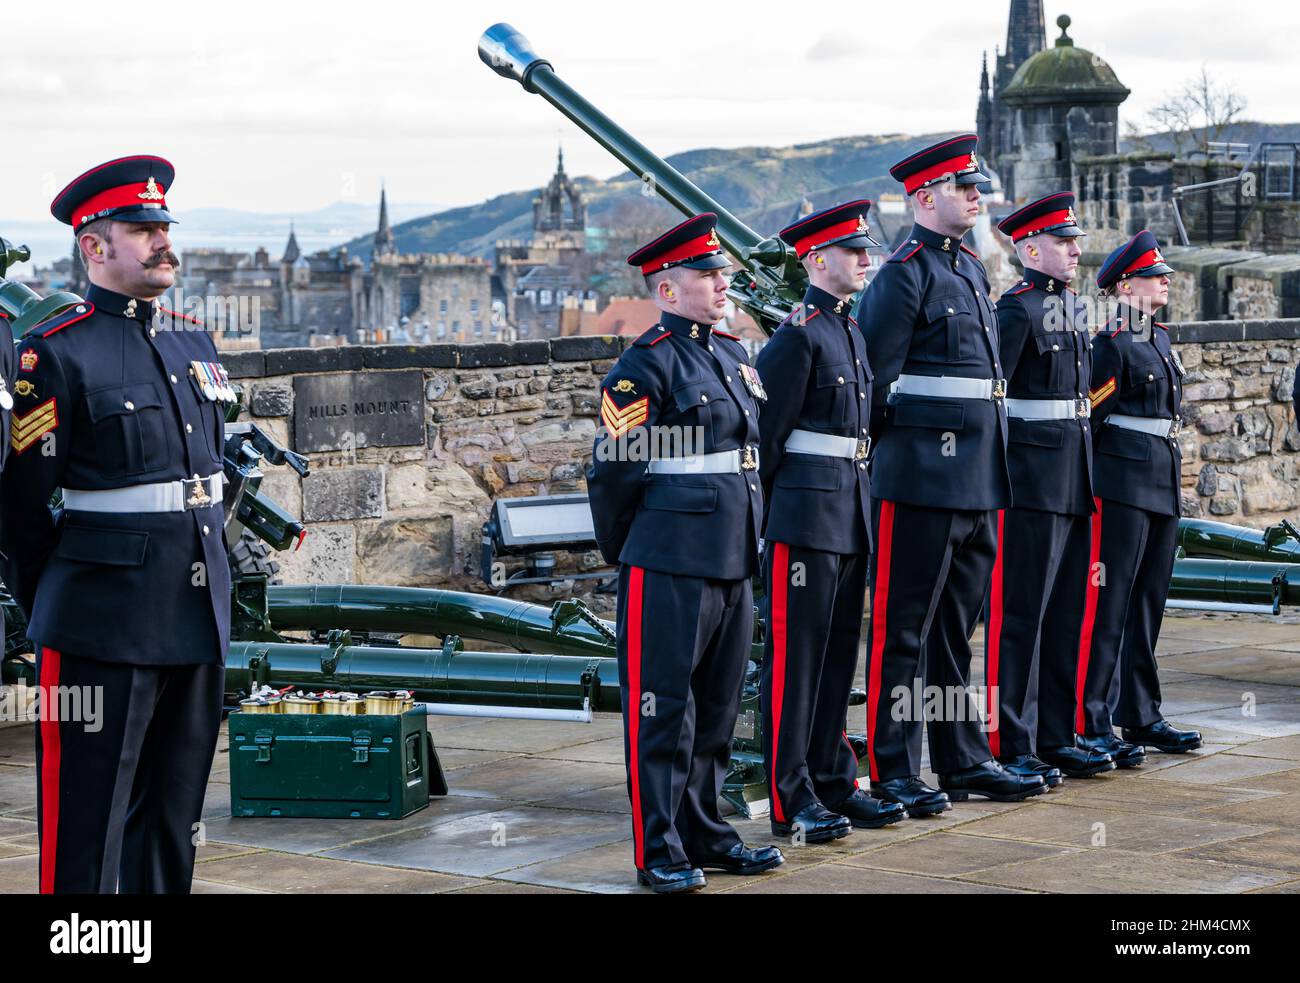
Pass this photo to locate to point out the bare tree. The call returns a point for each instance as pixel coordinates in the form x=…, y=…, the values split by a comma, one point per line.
x=1203, y=110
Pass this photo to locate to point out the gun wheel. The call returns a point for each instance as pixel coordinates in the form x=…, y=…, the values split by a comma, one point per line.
x=251, y=555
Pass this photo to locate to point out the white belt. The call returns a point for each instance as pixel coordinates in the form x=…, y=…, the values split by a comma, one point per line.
x=950, y=387
x=1048, y=409
x=827, y=445
x=1155, y=425
x=719, y=462
x=159, y=496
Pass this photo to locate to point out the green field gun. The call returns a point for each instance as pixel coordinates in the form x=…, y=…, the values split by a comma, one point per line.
x=770, y=281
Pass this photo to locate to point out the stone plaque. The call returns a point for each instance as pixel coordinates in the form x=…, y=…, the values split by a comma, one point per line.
x=358, y=409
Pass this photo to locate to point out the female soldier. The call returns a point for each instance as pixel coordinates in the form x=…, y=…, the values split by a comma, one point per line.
x=1136, y=397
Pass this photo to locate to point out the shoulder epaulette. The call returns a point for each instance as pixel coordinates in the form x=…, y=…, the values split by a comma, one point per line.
x=1119, y=326
x=966, y=248
x=652, y=336
x=1019, y=290
x=902, y=254
x=725, y=334
x=853, y=320
x=60, y=321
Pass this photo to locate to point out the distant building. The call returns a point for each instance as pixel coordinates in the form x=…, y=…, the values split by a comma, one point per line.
x=533, y=280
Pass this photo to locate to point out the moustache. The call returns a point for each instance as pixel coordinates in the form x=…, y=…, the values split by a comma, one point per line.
x=166, y=256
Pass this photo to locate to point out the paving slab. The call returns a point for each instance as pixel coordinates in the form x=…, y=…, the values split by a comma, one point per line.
x=527, y=779
x=1220, y=769
x=315, y=835
x=291, y=874
x=1110, y=871
x=948, y=854
x=835, y=878
x=1149, y=798
x=18, y=875
x=1273, y=747
x=1268, y=720
x=1083, y=826
x=1277, y=851
x=489, y=843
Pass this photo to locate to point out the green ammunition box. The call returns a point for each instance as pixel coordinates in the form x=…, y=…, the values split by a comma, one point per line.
x=327, y=766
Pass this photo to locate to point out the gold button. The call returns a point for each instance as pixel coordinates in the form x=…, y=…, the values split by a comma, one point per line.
x=862, y=395
x=152, y=332
x=950, y=310
x=1150, y=377
x=1056, y=348
x=703, y=398
x=129, y=405
x=728, y=378
x=173, y=377
x=205, y=530
x=753, y=487
x=840, y=379
x=188, y=428
x=862, y=467
x=710, y=348
x=864, y=429
x=746, y=412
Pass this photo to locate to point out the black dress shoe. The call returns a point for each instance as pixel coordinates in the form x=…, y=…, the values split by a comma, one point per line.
x=918, y=798
x=992, y=781
x=864, y=812
x=671, y=878
x=814, y=823
x=1031, y=764
x=1163, y=737
x=1078, y=762
x=744, y=860
x=1126, y=755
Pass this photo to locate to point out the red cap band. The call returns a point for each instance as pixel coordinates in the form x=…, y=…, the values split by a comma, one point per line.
x=1064, y=217
x=840, y=230
x=138, y=194
x=953, y=165
x=699, y=246
x=1149, y=258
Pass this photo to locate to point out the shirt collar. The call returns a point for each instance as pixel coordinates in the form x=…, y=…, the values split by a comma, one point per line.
x=816, y=297
x=948, y=244
x=686, y=328
x=111, y=302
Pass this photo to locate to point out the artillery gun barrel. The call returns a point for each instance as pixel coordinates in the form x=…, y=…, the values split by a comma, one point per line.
x=1211, y=584
x=505, y=679
x=508, y=53
x=1204, y=539
x=426, y=611
x=20, y=303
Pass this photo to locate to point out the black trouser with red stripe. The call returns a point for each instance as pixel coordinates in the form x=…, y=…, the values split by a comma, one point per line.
x=1118, y=679
x=683, y=643
x=1031, y=645
x=810, y=655
x=930, y=576
x=122, y=765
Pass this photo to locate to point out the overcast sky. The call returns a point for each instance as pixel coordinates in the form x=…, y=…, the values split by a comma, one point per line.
x=289, y=107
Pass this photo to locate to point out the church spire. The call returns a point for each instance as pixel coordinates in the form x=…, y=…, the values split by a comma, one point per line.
x=1026, y=35
x=291, y=250
x=385, y=242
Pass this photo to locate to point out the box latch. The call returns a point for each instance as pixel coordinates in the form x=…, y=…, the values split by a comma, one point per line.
x=263, y=740
x=360, y=749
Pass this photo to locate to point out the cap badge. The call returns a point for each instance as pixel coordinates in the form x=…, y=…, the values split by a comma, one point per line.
x=151, y=192
x=712, y=240
x=1159, y=258
x=624, y=386
x=974, y=162
x=1069, y=217
x=862, y=224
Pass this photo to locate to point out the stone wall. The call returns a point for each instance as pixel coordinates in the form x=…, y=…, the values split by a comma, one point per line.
x=499, y=420
x=519, y=419
x=1240, y=455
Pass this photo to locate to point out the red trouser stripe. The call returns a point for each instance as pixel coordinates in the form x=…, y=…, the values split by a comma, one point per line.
x=635, y=589
x=50, y=760
x=780, y=614
x=994, y=648
x=879, y=605
x=1089, y=619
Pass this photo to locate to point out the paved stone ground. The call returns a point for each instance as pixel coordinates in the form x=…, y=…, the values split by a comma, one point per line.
x=1223, y=819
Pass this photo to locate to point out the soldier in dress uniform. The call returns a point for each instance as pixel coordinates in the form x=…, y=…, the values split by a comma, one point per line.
x=676, y=501
x=939, y=477
x=1040, y=577
x=817, y=534
x=126, y=586
x=1136, y=399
